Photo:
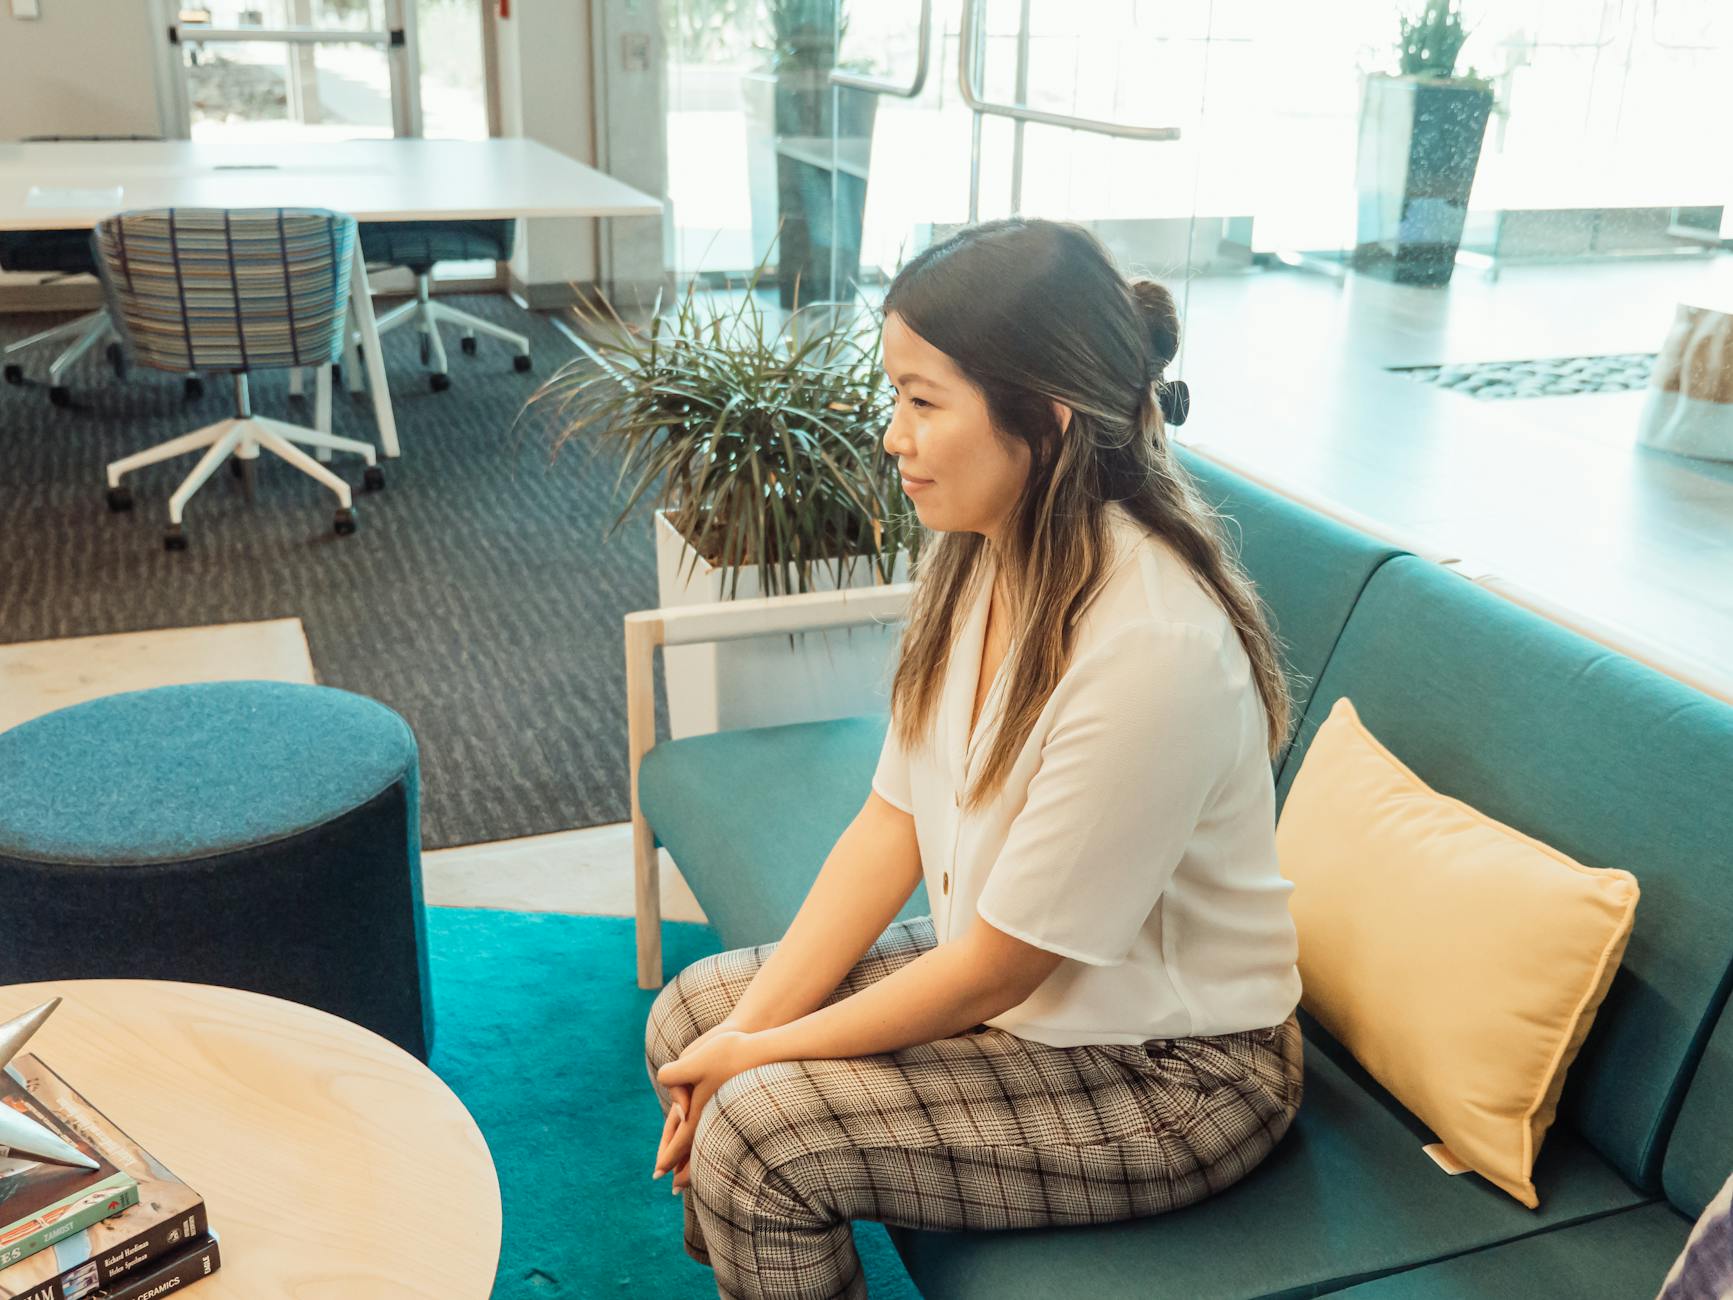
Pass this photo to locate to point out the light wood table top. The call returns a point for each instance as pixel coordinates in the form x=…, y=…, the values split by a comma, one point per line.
x=334, y=1164
x=372, y=180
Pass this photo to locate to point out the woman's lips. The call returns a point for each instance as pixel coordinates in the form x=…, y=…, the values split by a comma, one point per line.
x=913, y=484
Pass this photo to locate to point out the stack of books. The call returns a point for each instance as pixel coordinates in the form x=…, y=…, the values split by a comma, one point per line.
x=127, y=1230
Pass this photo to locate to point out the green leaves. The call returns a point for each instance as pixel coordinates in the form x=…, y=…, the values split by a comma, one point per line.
x=763, y=442
x=1430, y=44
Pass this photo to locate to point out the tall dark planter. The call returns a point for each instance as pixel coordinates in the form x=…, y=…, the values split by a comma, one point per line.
x=1419, y=147
x=812, y=225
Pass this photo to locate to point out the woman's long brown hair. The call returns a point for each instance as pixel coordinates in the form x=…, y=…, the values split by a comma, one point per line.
x=1033, y=312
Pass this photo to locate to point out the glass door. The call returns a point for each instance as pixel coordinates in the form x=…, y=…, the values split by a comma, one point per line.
x=297, y=69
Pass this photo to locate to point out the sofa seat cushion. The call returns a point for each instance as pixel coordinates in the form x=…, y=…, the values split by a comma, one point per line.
x=1346, y=1196
x=1619, y=1257
x=750, y=816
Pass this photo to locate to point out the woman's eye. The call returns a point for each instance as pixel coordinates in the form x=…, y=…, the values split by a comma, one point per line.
x=919, y=401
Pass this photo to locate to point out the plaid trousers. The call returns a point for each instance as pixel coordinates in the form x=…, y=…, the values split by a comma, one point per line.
x=984, y=1130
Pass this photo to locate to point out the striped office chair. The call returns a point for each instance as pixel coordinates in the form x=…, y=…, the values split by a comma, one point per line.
x=237, y=290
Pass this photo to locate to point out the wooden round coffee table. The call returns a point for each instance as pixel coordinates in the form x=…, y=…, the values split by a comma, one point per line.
x=333, y=1163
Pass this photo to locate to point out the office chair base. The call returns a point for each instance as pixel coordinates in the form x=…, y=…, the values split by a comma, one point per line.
x=85, y=332
x=428, y=313
x=244, y=438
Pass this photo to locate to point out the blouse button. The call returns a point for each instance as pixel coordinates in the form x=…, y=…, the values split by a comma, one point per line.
x=945, y=882
x=956, y=798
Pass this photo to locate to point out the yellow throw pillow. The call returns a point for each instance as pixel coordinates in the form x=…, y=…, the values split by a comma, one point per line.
x=1459, y=960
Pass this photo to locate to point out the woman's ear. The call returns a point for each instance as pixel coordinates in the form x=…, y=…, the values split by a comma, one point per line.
x=1062, y=413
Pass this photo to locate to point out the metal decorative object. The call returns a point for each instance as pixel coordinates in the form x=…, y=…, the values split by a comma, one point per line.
x=22, y=1138
x=17, y=1031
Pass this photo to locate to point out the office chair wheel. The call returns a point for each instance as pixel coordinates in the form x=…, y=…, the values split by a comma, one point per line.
x=374, y=479
x=236, y=469
x=439, y=383
x=521, y=363
x=116, y=359
x=119, y=499
x=194, y=388
x=174, y=539
x=60, y=395
x=344, y=523
x=468, y=344
x=15, y=374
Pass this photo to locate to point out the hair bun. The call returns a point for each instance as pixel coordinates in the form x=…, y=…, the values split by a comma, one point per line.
x=1160, y=321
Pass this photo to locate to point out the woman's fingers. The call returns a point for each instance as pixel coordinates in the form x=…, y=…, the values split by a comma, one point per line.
x=679, y=1147
x=676, y=1116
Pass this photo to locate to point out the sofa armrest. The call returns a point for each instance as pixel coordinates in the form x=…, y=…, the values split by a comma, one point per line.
x=726, y=620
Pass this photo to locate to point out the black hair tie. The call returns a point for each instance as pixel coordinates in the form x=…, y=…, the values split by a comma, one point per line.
x=1175, y=401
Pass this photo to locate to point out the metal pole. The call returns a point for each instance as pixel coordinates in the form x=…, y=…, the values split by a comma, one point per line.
x=1022, y=98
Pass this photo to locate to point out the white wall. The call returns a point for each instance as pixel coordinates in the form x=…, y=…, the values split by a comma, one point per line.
x=85, y=67
x=545, y=94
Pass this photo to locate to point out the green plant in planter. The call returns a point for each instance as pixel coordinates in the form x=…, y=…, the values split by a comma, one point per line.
x=1430, y=44
x=763, y=443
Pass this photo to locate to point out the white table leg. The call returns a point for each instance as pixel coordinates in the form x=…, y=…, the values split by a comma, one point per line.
x=351, y=354
x=322, y=407
x=362, y=299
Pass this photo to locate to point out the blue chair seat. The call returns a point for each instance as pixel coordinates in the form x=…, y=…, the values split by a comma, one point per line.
x=751, y=848
x=61, y=252
x=254, y=835
x=419, y=244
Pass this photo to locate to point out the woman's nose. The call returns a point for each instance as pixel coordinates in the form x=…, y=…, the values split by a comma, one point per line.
x=895, y=439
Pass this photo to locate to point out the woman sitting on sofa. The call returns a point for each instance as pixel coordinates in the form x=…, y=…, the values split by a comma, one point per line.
x=1097, y=1020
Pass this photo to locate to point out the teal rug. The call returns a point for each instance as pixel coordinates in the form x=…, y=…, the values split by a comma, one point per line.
x=540, y=1032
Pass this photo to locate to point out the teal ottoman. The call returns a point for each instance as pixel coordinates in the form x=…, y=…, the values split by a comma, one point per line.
x=255, y=835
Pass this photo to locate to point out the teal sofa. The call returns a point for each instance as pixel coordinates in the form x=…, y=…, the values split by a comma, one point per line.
x=1557, y=735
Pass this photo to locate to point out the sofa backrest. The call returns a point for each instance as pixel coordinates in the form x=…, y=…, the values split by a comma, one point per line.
x=1586, y=750
x=1309, y=569
x=1700, y=1152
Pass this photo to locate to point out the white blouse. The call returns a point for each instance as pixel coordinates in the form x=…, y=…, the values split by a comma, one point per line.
x=1135, y=832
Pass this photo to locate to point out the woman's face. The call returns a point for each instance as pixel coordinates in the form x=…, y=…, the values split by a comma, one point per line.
x=961, y=475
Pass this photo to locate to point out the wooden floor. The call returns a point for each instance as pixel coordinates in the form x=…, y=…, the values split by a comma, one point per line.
x=1289, y=374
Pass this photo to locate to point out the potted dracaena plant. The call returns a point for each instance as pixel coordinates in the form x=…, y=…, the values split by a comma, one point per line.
x=1419, y=147
x=761, y=448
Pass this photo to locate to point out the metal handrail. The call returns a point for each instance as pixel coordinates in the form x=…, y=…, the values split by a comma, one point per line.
x=194, y=33
x=923, y=51
x=1018, y=113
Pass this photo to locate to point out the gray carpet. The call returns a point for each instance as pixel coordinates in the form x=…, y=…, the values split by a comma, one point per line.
x=479, y=597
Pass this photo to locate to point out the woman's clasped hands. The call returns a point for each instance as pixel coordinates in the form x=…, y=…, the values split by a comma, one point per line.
x=692, y=1079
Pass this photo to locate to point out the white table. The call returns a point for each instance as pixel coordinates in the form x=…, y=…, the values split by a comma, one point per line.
x=371, y=180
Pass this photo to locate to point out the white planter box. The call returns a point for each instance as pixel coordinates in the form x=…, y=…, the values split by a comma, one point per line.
x=767, y=681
